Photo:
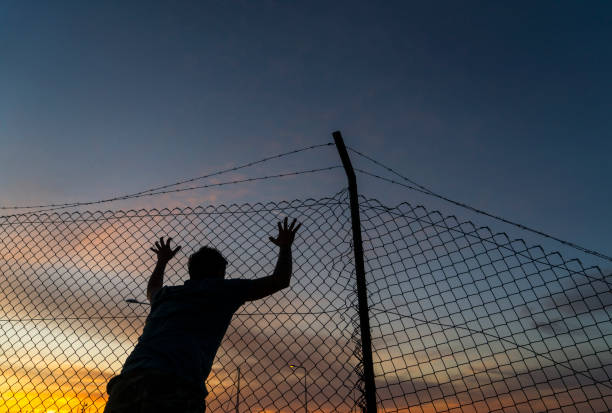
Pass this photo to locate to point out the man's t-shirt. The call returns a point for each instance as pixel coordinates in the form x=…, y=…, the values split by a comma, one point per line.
x=185, y=327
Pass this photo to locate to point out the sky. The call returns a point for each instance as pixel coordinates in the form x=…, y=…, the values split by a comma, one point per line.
x=502, y=105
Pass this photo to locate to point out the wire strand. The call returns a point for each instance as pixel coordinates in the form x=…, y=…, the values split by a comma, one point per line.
x=496, y=217
x=169, y=214
x=474, y=331
x=474, y=234
x=158, y=188
x=127, y=317
x=390, y=169
x=261, y=178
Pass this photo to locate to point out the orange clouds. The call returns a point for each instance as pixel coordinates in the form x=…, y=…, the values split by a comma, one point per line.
x=64, y=389
x=68, y=329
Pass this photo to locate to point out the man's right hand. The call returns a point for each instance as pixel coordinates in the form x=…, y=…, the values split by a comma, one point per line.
x=163, y=250
x=281, y=277
x=286, y=235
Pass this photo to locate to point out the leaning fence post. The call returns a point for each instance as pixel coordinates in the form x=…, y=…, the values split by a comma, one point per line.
x=362, y=294
x=238, y=393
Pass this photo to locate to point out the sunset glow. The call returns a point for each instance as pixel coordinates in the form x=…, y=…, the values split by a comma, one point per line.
x=448, y=164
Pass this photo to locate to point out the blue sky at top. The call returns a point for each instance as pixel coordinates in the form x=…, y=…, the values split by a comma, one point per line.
x=503, y=105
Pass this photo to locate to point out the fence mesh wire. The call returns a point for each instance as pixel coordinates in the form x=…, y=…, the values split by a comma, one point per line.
x=66, y=327
x=468, y=320
x=463, y=319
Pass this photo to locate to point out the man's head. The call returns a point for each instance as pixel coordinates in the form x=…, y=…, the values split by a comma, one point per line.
x=206, y=263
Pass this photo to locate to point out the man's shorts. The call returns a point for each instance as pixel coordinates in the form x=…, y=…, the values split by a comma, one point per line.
x=152, y=391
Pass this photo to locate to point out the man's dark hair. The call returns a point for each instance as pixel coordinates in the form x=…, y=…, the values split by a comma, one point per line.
x=207, y=262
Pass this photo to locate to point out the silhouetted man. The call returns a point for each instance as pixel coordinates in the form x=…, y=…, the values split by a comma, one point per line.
x=167, y=369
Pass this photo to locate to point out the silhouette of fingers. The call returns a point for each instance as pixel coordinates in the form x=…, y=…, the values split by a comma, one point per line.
x=296, y=228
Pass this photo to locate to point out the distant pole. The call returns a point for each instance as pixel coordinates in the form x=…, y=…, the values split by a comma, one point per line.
x=238, y=393
x=295, y=367
x=362, y=295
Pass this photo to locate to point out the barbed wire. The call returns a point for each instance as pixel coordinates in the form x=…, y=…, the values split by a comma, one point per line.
x=388, y=168
x=496, y=217
x=158, y=188
x=238, y=181
x=496, y=293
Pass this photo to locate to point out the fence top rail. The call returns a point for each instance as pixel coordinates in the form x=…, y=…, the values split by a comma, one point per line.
x=235, y=208
x=402, y=209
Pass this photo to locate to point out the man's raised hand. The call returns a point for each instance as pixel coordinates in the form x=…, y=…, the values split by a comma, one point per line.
x=286, y=234
x=163, y=250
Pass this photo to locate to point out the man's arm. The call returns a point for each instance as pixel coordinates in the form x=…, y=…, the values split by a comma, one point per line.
x=164, y=254
x=281, y=277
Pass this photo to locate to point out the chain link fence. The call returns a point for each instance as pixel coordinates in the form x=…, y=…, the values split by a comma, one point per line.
x=467, y=320
x=66, y=327
x=463, y=319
